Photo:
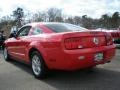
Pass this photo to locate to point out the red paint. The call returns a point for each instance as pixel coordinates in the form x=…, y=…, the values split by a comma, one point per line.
x=60, y=50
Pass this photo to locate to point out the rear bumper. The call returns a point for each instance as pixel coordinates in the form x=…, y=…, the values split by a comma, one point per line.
x=82, y=58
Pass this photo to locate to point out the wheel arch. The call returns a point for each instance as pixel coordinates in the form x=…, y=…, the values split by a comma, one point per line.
x=32, y=50
x=37, y=47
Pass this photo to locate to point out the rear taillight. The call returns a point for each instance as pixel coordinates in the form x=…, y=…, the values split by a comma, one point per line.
x=115, y=35
x=109, y=39
x=73, y=43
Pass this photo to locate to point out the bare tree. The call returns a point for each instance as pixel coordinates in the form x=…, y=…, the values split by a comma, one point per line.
x=54, y=14
x=40, y=17
x=69, y=20
x=77, y=20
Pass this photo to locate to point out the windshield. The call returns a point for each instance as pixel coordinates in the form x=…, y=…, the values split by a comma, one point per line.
x=65, y=27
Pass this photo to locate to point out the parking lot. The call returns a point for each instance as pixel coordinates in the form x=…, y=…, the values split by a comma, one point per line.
x=17, y=76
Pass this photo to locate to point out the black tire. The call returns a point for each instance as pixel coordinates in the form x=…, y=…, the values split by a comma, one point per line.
x=39, y=74
x=6, y=55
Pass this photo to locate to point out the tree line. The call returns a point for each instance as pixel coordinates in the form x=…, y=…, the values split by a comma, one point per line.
x=19, y=18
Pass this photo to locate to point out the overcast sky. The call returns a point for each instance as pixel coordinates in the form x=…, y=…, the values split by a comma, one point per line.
x=92, y=8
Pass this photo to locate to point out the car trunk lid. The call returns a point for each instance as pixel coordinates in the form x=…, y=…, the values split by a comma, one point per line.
x=78, y=40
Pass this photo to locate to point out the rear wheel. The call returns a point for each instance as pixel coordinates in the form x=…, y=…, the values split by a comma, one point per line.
x=37, y=64
x=6, y=55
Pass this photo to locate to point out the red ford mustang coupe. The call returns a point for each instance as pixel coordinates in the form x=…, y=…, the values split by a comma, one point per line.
x=60, y=46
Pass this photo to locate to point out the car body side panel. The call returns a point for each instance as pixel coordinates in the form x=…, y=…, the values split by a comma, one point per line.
x=36, y=45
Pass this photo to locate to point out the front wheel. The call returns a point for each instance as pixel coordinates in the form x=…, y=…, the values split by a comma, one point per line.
x=6, y=55
x=38, y=66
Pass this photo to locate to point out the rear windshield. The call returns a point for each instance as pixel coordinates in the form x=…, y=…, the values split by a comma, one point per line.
x=63, y=27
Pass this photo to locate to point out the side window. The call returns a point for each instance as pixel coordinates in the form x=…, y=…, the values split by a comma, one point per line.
x=24, y=31
x=37, y=31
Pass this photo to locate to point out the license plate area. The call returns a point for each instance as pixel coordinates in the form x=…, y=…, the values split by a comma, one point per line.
x=98, y=57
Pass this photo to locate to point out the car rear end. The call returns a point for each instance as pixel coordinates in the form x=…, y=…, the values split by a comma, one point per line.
x=80, y=49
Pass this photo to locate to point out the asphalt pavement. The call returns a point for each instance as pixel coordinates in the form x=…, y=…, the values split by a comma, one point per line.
x=17, y=76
